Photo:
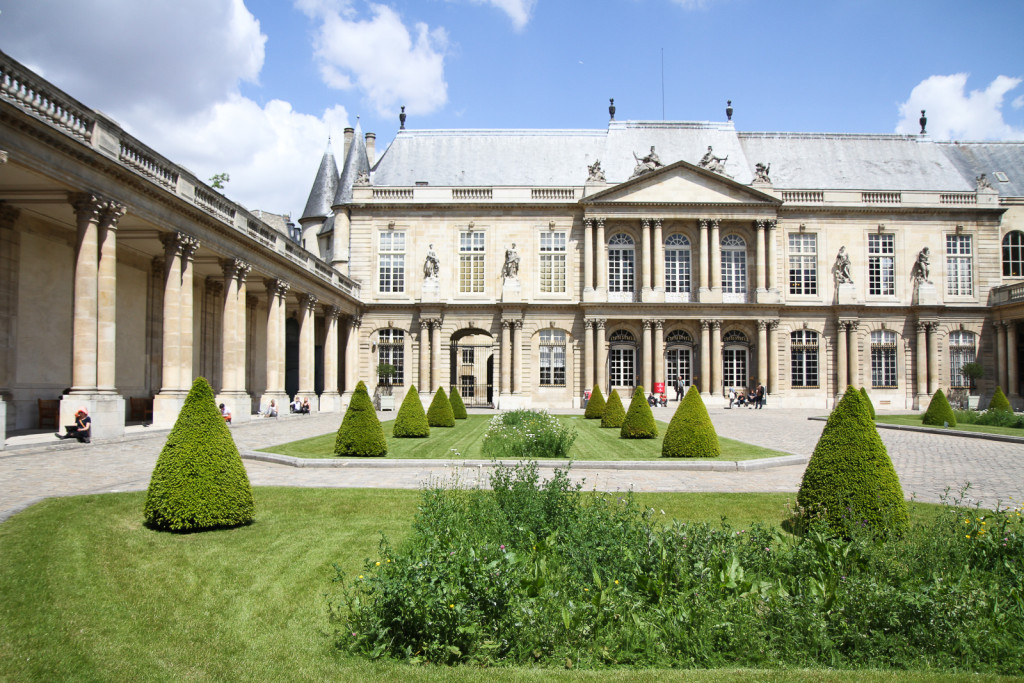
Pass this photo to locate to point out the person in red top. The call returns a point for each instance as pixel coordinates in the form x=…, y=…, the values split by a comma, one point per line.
x=81, y=430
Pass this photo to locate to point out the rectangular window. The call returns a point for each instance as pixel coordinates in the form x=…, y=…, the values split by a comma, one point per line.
x=471, y=262
x=552, y=261
x=803, y=263
x=959, y=266
x=552, y=358
x=803, y=365
x=883, y=360
x=677, y=270
x=391, y=351
x=961, y=352
x=391, y=261
x=881, y=266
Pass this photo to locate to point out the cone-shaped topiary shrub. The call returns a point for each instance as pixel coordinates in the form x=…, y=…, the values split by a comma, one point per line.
x=595, y=406
x=614, y=414
x=690, y=434
x=458, y=407
x=360, y=433
x=639, y=422
x=867, y=401
x=440, y=414
x=411, y=421
x=999, y=401
x=199, y=481
x=939, y=411
x=850, y=479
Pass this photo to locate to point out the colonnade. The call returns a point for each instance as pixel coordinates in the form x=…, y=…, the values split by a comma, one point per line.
x=511, y=356
x=430, y=354
x=1007, y=369
x=926, y=352
x=651, y=255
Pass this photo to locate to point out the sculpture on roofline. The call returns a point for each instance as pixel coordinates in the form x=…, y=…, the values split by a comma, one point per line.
x=647, y=163
x=919, y=271
x=594, y=172
x=431, y=266
x=511, y=268
x=362, y=179
x=841, y=268
x=713, y=163
x=983, y=183
x=761, y=173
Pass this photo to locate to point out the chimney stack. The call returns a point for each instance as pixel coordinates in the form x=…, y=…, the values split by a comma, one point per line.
x=349, y=134
x=371, y=147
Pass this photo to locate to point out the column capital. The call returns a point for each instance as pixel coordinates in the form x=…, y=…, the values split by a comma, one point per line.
x=647, y=324
x=517, y=324
x=276, y=287
x=332, y=312
x=235, y=268
x=588, y=222
x=435, y=323
x=8, y=214
x=716, y=324
x=645, y=222
x=1002, y=323
x=773, y=324
x=599, y=323
x=111, y=214
x=658, y=324
x=773, y=223
x=87, y=205
x=308, y=302
x=760, y=224
x=214, y=285
x=600, y=222
x=656, y=222
x=762, y=325
x=704, y=223
x=705, y=324
x=179, y=244
x=921, y=326
x=355, y=321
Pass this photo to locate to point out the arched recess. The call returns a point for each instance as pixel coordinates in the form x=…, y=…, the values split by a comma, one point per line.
x=472, y=366
x=622, y=362
x=679, y=358
x=736, y=366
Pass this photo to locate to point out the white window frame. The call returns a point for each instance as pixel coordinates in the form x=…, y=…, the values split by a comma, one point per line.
x=621, y=267
x=678, y=267
x=391, y=262
x=962, y=350
x=959, y=265
x=734, y=269
x=883, y=360
x=1013, y=254
x=803, y=263
x=552, y=358
x=804, y=363
x=882, y=264
x=472, y=261
x=553, y=249
x=391, y=350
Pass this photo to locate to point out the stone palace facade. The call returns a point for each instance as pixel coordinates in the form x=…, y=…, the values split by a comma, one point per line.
x=523, y=266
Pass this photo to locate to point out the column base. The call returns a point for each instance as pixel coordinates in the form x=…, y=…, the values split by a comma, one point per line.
x=166, y=406
x=279, y=398
x=240, y=404
x=330, y=402
x=106, y=411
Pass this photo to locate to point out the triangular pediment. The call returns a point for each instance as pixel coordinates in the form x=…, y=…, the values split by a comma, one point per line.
x=681, y=183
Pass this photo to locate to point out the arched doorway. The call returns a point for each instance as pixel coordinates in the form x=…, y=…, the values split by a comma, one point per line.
x=735, y=360
x=472, y=367
x=622, y=362
x=679, y=358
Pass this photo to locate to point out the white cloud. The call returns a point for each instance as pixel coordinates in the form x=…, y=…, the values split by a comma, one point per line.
x=169, y=72
x=380, y=56
x=1018, y=102
x=955, y=114
x=518, y=11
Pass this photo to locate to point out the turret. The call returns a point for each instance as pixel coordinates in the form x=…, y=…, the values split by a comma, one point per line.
x=318, y=206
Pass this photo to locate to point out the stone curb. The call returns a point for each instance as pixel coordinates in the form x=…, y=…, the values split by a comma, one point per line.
x=941, y=430
x=368, y=463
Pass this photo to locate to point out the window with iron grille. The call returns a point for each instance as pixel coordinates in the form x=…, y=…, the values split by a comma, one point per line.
x=803, y=263
x=959, y=265
x=803, y=354
x=961, y=352
x=677, y=263
x=552, y=358
x=734, y=265
x=391, y=350
x=883, y=359
x=621, y=272
x=1013, y=254
x=881, y=273
x=552, y=261
x=471, y=262
x=391, y=261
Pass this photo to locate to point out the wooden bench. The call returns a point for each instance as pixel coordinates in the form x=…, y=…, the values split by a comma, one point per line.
x=141, y=409
x=49, y=412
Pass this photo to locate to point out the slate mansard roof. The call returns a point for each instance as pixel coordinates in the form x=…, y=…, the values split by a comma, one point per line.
x=798, y=160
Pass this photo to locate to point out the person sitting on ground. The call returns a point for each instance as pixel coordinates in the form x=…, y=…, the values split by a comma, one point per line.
x=741, y=398
x=271, y=410
x=651, y=401
x=225, y=413
x=81, y=430
x=663, y=401
x=305, y=407
x=296, y=405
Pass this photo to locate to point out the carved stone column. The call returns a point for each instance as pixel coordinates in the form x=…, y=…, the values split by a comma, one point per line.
x=659, y=353
x=773, y=277
x=233, y=331
x=716, y=256
x=276, y=292
x=517, y=356
x=645, y=255
x=933, y=358
x=602, y=257
x=854, y=357
x=106, y=310
x=588, y=254
x=842, y=372
x=762, y=351
x=705, y=357
x=307, y=348
x=352, y=354
x=9, y=261
x=176, y=354
x=424, y=343
x=921, y=362
x=716, y=357
x=602, y=354
x=648, y=356
x=1013, y=381
x=658, y=271
x=773, y=356
x=330, y=399
x=506, y=355
x=1002, y=366
x=762, y=261
x=88, y=212
x=589, y=361
x=435, y=354
x=705, y=256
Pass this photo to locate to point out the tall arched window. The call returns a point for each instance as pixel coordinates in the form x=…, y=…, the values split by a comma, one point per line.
x=621, y=358
x=1013, y=254
x=734, y=268
x=678, y=357
x=803, y=354
x=735, y=348
x=621, y=268
x=677, y=266
x=961, y=352
x=391, y=351
x=883, y=359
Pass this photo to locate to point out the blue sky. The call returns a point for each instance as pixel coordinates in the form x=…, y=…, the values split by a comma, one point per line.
x=253, y=88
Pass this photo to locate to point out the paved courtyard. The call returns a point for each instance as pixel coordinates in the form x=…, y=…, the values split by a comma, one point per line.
x=38, y=466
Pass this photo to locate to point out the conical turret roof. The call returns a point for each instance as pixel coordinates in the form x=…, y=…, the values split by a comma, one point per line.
x=356, y=162
x=324, y=187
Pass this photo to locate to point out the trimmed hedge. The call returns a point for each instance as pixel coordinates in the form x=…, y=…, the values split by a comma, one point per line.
x=939, y=411
x=199, y=481
x=411, y=421
x=1000, y=402
x=639, y=422
x=360, y=434
x=613, y=414
x=595, y=406
x=690, y=434
x=867, y=401
x=850, y=479
x=440, y=414
x=458, y=407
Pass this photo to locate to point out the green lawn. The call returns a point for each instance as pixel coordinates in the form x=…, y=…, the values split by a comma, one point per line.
x=88, y=593
x=465, y=439
x=915, y=421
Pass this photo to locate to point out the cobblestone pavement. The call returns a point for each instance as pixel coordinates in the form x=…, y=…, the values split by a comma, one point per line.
x=927, y=463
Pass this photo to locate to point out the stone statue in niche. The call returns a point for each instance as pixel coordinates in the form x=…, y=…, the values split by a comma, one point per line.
x=511, y=268
x=919, y=272
x=841, y=268
x=362, y=179
x=761, y=173
x=431, y=266
x=713, y=163
x=594, y=172
x=647, y=163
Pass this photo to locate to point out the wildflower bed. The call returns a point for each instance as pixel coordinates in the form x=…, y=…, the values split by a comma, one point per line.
x=539, y=573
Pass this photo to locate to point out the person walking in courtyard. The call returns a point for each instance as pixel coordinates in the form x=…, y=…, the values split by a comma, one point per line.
x=679, y=387
x=759, y=396
x=81, y=430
